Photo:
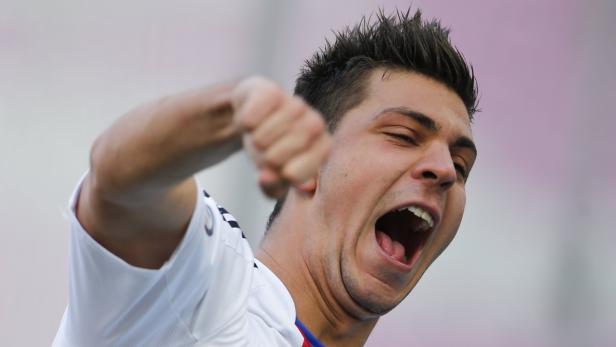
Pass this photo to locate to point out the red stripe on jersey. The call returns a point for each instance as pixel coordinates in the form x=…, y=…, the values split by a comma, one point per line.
x=306, y=343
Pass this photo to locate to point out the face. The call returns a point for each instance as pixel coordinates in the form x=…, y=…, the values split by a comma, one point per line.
x=391, y=196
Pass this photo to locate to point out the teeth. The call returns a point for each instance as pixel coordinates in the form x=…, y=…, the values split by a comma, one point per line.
x=421, y=213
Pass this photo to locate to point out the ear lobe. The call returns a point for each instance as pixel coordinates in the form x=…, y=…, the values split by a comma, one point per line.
x=309, y=187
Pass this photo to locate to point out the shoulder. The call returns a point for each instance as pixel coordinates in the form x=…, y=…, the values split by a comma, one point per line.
x=213, y=208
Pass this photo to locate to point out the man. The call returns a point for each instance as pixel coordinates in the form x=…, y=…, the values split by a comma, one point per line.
x=361, y=213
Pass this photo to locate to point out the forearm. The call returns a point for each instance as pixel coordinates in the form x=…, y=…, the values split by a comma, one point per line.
x=156, y=146
x=139, y=196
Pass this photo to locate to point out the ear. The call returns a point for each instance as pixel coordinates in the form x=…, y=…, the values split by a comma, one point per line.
x=309, y=187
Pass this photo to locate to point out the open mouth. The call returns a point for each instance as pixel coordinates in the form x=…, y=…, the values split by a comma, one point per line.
x=402, y=233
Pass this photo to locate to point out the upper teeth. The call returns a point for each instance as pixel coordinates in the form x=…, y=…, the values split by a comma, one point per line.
x=421, y=213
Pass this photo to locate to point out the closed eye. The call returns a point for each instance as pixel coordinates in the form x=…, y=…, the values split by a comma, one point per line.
x=403, y=137
x=461, y=171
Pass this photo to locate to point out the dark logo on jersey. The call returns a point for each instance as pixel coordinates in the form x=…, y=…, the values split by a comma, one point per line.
x=209, y=222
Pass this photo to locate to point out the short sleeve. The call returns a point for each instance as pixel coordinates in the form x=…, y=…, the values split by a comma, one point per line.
x=187, y=300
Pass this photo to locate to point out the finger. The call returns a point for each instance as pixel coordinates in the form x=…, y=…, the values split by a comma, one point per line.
x=254, y=100
x=306, y=165
x=279, y=123
x=299, y=139
x=307, y=187
x=243, y=89
x=268, y=176
x=272, y=184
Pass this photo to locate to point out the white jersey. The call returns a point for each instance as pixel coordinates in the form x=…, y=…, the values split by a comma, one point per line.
x=211, y=292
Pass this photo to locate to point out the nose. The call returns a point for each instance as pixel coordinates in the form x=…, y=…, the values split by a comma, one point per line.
x=435, y=167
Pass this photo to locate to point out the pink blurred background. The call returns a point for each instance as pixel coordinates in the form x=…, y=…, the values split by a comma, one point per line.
x=534, y=261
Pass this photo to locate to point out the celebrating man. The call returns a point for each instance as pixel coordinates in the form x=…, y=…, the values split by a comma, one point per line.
x=368, y=161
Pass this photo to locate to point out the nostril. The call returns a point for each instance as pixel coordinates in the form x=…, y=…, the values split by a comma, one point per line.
x=429, y=174
x=442, y=180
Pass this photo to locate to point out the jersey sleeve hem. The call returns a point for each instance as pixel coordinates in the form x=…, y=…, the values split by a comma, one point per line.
x=197, y=218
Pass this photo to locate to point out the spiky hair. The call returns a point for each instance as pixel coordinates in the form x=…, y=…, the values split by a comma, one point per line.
x=332, y=80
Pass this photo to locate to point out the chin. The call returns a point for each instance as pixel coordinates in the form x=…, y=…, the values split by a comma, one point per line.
x=373, y=298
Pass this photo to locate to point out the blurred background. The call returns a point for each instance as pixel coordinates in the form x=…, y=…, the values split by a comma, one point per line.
x=534, y=263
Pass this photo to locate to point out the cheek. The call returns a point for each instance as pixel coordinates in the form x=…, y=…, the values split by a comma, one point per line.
x=345, y=198
x=341, y=178
x=458, y=203
x=455, y=210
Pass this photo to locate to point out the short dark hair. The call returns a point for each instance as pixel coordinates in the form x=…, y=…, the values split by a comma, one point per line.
x=333, y=79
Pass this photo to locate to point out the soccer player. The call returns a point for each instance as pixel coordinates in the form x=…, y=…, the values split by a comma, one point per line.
x=368, y=161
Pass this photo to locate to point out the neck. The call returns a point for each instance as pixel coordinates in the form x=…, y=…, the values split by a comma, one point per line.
x=284, y=252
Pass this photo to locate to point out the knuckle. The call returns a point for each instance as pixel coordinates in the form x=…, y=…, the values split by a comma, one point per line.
x=272, y=93
x=298, y=105
x=245, y=121
x=244, y=88
x=289, y=173
x=259, y=87
x=314, y=123
x=252, y=81
x=297, y=172
x=259, y=142
x=272, y=160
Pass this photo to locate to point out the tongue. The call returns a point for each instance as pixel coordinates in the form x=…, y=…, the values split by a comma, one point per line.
x=393, y=248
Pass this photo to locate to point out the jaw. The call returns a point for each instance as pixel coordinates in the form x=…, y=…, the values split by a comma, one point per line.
x=372, y=294
x=362, y=279
x=375, y=281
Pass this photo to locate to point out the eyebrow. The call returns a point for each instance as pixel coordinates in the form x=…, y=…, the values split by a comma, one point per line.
x=419, y=117
x=430, y=125
x=465, y=142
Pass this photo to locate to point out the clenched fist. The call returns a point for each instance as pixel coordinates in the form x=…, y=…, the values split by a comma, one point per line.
x=286, y=138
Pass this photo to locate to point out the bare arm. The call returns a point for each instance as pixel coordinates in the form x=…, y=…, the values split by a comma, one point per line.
x=139, y=195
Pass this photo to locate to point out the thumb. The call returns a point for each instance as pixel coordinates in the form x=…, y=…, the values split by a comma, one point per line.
x=308, y=187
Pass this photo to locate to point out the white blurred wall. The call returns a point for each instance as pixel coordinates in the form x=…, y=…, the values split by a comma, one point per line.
x=533, y=264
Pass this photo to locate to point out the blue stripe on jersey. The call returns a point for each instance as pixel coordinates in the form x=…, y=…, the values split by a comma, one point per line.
x=314, y=342
x=233, y=224
x=228, y=217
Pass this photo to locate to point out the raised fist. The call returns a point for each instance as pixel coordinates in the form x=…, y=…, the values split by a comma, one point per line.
x=287, y=139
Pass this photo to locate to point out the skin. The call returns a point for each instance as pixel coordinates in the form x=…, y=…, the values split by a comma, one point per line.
x=139, y=194
x=342, y=282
